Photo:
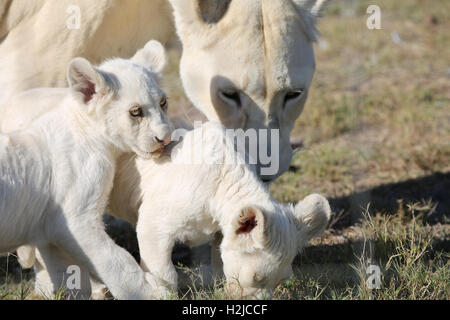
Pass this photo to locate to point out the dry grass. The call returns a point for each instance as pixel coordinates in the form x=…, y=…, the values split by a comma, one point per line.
x=376, y=130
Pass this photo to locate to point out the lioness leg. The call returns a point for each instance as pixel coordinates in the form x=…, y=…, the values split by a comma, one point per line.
x=214, y=271
x=216, y=259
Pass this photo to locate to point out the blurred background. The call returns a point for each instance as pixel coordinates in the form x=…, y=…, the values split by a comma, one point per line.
x=375, y=137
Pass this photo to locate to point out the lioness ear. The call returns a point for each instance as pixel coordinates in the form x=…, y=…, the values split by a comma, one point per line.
x=211, y=11
x=310, y=11
x=313, y=6
x=152, y=56
x=84, y=80
x=312, y=214
x=203, y=11
x=192, y=17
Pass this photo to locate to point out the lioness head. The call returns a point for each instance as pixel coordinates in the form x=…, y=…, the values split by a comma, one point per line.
x=259, y=247
x=249, y=64
x=125, y=97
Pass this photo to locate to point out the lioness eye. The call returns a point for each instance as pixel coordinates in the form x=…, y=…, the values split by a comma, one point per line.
x=164, y=104
x=137, y=112
x=230, y=95
x=293, y=95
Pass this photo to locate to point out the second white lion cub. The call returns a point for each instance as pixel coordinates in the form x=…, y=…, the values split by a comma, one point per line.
x=56, y=175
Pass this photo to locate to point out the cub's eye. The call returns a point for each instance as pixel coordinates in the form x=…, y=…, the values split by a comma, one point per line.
x=293, y=95
x=164, y=104
x=137, y=112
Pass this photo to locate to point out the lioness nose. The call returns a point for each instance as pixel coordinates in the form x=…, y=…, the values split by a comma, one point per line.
x=165, y=141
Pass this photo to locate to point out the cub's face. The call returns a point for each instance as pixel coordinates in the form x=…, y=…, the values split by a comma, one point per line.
x=138, y=117
x=254, y=275
x=123, y=96
x=257, y=252
x=259, y=245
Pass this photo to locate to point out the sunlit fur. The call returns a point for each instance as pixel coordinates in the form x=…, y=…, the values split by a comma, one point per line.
x=172, y=200
x=261, y=48
x=56, y=174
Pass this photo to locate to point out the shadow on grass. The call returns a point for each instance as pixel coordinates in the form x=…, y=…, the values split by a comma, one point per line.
x=430, y=193
x=426, y=196
x=349, y=251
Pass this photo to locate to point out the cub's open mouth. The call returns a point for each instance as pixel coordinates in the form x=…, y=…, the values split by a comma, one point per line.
x=165, y=149
x=158, y=152
x=150, y=154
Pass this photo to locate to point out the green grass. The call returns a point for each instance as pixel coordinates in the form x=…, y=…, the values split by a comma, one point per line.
x=403, y=247
x=376, y=130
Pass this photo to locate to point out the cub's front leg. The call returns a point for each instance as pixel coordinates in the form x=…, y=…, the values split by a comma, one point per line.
x=55, y=273
x=155, y=249
x=83, y=237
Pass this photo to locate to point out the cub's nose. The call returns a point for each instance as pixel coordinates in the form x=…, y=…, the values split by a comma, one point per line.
x=165, y=141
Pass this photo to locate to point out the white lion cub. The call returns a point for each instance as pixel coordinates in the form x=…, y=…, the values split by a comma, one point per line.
x=204, y=188
x=56, y=175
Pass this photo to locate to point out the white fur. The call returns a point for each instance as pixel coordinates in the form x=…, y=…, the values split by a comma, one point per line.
x=56, y=175
x=171, y=199
x=175, y=200
x=260, y=49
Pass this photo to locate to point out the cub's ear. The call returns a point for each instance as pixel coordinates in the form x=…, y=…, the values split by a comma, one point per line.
x=84, y=80
x=247, y=221
x=153, y=57
x=248, y=227
x=312, y=215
